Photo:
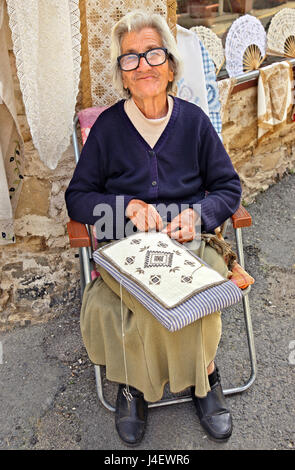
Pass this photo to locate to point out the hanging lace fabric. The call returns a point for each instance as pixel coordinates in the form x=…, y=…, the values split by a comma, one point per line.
x=192, y=85
x=212, y=90
x=46, y=44
x=225, y=88
x=97, y=19
x=11, y=142
x=274, y=98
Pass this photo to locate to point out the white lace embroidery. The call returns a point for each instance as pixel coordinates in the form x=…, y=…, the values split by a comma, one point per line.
x=280, y=29
x=245, y=31
x=46, y=43
x=101, y=15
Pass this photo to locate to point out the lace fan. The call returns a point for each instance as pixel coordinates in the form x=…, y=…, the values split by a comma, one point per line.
x=281, y=33
x=245, y=45
x=212, y=43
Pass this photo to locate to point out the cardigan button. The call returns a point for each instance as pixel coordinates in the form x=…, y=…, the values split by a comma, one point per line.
x=154, y=183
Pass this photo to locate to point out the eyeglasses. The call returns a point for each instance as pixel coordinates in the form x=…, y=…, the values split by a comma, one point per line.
x=154, y=57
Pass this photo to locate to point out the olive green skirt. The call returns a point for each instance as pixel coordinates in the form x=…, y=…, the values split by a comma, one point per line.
x=153, y=355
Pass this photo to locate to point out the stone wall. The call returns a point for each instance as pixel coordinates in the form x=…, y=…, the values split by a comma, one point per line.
x=40, y=274
x=261, y=165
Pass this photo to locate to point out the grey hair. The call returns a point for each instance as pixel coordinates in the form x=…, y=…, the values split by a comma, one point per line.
x=136, y=21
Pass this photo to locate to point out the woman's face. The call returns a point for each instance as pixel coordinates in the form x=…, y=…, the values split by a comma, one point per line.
x=146, y=81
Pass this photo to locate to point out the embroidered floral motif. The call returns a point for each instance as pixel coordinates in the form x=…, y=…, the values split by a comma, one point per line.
x=155, y=279
x=144, y=248
x=186, y=279
x=173, y=270
x=135, y=241
x=162, y=245
x=190, y=263
x=177, y=252
x=139, y=271
x=186, y=92
x=130, y=260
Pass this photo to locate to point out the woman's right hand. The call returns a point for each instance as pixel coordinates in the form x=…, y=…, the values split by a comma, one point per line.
x=144, y=216
x=183, y=227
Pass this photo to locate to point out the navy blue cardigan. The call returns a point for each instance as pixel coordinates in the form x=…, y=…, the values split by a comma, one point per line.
x=187, y=165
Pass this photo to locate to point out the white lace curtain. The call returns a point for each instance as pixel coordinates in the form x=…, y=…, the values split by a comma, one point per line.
x=11, y=143
x=46, y=44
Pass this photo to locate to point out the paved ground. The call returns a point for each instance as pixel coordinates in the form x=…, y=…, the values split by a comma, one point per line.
x=47, y=385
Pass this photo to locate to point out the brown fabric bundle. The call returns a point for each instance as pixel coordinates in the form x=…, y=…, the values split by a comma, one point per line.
x=222, y=247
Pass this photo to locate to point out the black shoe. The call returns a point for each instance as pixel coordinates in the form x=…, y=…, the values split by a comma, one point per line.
x=131, y=416
x=212, y=412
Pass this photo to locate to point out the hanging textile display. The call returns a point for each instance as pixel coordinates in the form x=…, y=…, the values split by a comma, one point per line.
x=274, y=95
x=212, y=91
x=225, y=88
x=46, y=44
x=213, y=45
x=188, y=87
x=172, y=16
x=97, y=19
x=11, y=142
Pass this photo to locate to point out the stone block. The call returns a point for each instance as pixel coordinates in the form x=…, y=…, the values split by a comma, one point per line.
x=271, y=160
x=35, y=167
x=240, y=138
x=24, y=127
x=34, y=198
x=39, y=226
x=27, y=244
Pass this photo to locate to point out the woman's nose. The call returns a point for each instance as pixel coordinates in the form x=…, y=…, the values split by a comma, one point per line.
x=143, y=64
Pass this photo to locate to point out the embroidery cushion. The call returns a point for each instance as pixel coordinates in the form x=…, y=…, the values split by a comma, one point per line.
x=175, y=285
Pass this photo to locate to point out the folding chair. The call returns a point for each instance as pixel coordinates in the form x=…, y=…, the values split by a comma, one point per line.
x=81, y=237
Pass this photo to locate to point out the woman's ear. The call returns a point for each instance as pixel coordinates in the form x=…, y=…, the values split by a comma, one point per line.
x=170, y=70
x=124, y=82
x=170, y=74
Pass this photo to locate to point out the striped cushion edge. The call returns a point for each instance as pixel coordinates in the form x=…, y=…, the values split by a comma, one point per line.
x=201, y=304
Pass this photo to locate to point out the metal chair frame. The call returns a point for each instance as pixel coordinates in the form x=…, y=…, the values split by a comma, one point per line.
x=85, y=256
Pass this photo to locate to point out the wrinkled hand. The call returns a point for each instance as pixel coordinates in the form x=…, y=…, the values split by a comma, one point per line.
x=144, y=216
x=182, y=227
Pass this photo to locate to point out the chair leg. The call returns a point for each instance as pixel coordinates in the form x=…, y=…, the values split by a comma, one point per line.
x=84, y=256
x=108, y=406
x=82, y=274
x=251, y=347
x=99, y=388
x=248, y=323
x=240, y=250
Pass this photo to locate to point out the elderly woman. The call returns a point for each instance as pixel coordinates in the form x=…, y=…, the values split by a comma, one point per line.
x=152, y=148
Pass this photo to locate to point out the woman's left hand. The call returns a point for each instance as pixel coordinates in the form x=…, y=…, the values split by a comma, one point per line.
x=182, y=227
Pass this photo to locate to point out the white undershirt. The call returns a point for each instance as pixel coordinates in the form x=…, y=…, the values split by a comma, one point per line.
x=149, y=129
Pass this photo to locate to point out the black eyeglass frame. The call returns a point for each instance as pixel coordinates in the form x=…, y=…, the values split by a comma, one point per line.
x=143, y=54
